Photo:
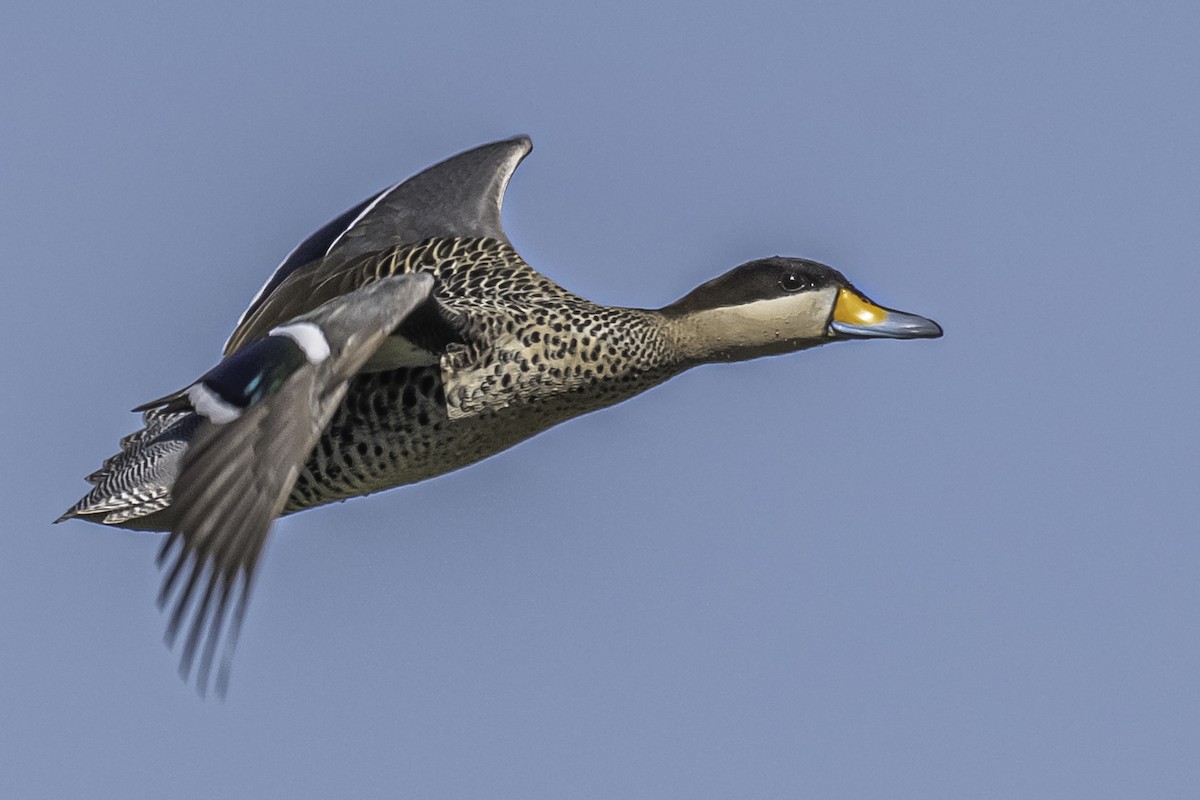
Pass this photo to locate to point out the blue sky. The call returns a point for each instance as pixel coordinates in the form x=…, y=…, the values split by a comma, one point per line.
x=962, y=568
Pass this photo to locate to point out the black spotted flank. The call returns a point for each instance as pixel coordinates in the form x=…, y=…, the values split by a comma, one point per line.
x=764, y=279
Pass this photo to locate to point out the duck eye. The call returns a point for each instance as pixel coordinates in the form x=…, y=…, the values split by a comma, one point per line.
x=793, y=282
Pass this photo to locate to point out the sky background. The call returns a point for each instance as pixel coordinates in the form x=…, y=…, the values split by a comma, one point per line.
x=964, y=568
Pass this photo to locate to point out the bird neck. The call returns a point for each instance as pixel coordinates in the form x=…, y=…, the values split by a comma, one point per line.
x=732, y=333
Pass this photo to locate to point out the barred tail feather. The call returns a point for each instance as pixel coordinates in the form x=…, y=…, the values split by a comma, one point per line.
x=136, y=482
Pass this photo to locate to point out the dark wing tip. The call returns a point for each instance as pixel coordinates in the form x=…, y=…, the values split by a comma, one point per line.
x=173, y=401
x=460, y=196
x=235, y=477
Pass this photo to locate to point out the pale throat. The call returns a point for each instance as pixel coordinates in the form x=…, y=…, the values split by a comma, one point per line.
x=761, y=327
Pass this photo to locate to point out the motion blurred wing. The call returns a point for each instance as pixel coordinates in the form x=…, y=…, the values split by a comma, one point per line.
x=263, y=410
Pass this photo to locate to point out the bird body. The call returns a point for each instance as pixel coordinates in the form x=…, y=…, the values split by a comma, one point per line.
x=405, y=339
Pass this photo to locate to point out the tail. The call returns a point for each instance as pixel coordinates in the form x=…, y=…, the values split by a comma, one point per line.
x=136, y=482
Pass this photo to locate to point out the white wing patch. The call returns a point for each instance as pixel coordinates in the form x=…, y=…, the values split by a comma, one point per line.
x=209, y=404
x=310, y=338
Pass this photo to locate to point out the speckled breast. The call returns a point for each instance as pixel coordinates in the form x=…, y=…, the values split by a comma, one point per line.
x=536, y=355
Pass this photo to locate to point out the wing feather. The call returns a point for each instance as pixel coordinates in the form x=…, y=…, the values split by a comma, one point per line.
x=236, y=476
x=458, y=197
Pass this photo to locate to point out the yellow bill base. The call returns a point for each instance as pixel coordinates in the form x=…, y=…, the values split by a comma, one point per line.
x=854, y=309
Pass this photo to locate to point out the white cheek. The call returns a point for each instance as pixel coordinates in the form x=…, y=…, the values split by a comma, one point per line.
x=799, y=316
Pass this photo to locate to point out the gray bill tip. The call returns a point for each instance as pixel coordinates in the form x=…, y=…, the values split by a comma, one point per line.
x=896, y=325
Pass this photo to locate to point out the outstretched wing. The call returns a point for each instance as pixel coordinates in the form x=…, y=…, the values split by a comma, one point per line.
x=459, y=197
x=263, y=410
x=235, y=480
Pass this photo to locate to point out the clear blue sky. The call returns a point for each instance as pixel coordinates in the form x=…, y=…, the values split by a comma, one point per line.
x=964, y=568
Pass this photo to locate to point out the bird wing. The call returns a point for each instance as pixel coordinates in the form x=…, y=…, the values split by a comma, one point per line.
x=245, y=457
x=235, y=480
x=459, y=197
x=307, y=288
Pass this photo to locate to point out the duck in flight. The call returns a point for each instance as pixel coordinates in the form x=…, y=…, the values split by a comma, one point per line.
x=403, y=340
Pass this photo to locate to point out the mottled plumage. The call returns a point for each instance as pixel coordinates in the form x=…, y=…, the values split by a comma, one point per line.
x=494, y=353
x=244, y=456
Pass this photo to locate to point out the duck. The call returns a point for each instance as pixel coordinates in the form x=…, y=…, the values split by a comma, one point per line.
x=405, y=339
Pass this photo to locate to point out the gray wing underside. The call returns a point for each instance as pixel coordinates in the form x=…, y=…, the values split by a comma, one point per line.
x=236, y=477
x=459, y=197
x=234, y=482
